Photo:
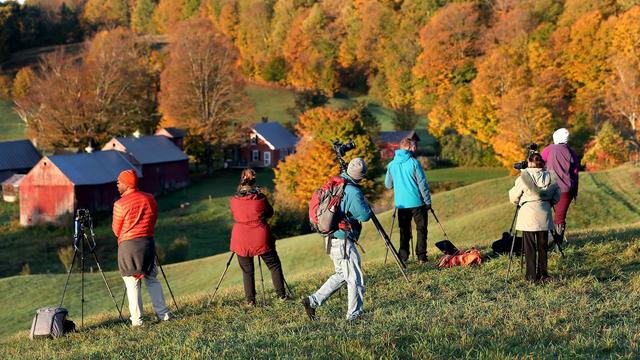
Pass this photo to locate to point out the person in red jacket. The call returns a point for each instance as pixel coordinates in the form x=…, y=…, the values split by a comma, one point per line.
x=251, y=237
x=134, y=218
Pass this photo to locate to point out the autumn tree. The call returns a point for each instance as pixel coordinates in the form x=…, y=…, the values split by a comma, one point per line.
x=142, y=16
x=166, y=15
x=607, y=150
x=111, y=92
x=201, y=87
x=22, y=82
x=5, y=87
x=314, y=160
x=107, y=13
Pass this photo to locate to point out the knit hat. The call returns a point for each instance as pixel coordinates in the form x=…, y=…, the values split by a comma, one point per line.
x=561, y=136
x=129, y=178
x=357, y=169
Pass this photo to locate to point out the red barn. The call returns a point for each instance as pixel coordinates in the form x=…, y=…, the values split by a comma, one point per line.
x=174, y=134
x=390, y=141
x=164, y=166
x=58, y=185
x=266, y=144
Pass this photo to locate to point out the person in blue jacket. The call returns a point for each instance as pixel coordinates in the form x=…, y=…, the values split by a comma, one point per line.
x=412, y=198
x=343, y=252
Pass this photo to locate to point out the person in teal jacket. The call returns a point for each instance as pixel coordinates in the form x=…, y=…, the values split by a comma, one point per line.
x=412, y=198
x=341, y=245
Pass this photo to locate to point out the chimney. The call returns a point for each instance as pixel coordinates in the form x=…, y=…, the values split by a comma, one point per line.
x=137, y=134
x=265, y=119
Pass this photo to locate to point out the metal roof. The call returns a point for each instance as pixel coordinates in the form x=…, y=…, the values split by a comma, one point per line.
x=100, y=167
x=152, y=149
x=276, y=135
x=18, y=155
x=14, y=180
x=397, y=136
x=174, y=132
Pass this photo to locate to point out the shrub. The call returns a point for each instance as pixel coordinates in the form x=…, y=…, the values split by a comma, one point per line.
x=275, y=70
x=178, y=250
x=5, y=87
x=26, y=269
x=607, y=150
x=65, y=254
x=465, y=151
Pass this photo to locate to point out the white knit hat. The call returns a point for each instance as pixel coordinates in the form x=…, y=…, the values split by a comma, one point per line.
x=561, y=136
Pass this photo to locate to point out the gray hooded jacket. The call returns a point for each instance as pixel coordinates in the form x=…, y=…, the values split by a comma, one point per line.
x=536, y=190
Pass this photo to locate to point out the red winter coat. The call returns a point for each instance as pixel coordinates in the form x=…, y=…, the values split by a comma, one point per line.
x=250, y=234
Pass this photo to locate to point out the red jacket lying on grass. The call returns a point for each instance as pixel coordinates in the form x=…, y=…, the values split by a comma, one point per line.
x=250, y=235
x=461, y=258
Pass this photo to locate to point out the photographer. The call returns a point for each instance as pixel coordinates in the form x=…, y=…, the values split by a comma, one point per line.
x=412, y=198
x=134, y=217
x=535, y=192
x=346, y=258
x=563, y=161
x=251, y=237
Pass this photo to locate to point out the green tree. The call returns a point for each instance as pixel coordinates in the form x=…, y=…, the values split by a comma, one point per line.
x=142, y=16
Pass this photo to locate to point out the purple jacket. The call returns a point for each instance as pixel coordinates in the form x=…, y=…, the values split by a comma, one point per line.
x=563, y=161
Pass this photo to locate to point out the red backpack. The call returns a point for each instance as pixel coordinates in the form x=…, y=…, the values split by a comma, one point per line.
x=324, y=207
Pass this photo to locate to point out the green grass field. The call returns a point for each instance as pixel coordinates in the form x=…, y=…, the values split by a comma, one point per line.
x=11, y=127
x=474, y=215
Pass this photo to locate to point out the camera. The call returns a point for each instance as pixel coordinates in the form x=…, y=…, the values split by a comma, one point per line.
x=532, y=148
x=342, y=148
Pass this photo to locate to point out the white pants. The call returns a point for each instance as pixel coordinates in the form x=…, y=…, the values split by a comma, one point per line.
x=349, y=272
x=134, y=294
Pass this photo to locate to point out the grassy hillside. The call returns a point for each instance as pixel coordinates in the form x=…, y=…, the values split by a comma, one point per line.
x=11, y=127
x=205, y=224
x=474, y=215
x=590, y=310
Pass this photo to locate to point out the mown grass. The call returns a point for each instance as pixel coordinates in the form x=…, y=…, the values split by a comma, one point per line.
x=11, y=127
x=474, y=215
x=591, y=309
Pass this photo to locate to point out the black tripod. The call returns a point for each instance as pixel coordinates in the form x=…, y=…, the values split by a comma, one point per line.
x=226, y=267
x=82, y=222
x=512, y=233
x=340, y=150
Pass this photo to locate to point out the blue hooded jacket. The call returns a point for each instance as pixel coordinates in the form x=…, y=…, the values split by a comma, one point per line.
x=356, y=208
x=406, y=177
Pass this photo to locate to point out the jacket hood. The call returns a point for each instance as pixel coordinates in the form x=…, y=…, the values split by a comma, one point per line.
x=536, y=180
x=402, y=155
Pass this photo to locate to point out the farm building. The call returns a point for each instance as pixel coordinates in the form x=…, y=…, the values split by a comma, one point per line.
x=17, y=157
x=390, y=141
x=164, y=166
x=60, y=184
x=265, y=144
x=174, y=134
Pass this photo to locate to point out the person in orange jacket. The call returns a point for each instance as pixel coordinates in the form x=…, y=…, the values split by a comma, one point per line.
x=134, y=217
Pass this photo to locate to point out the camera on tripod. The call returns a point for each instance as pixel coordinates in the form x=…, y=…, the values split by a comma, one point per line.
x=341, y=148
x=531, y=149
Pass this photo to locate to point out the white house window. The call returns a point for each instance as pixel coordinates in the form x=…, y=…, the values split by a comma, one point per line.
x=267, y=158
x=255, y=155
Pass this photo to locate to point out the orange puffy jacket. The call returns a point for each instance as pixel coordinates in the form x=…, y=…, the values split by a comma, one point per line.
x=462, y=258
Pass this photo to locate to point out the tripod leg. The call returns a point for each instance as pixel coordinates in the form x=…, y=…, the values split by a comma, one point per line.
x=220, y=281
x=66, y=282
x=81, y=284
x=393, y=220
x=167, y=281
x=264, y=297
x=95, y=257
x=513, y=233
x=124, y=295
x=288, y=288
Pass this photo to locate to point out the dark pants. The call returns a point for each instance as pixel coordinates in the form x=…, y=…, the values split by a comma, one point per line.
x=535, y=243
x=248, y=274
x=419, y=216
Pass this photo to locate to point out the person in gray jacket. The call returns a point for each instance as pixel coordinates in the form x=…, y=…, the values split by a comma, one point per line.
x=535, y=191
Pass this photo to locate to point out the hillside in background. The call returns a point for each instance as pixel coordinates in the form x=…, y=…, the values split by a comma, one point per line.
x=474, y=215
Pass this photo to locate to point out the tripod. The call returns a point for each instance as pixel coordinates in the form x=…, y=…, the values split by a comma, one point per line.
x=512, y=233
x=82, y=222
x=226, y=267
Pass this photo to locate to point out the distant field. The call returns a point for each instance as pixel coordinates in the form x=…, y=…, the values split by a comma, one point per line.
x=11, y=127
x=600, y=263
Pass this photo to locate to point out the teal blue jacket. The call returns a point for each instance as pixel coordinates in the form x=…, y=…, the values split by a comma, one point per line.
x=406, y=177
x=355, y=208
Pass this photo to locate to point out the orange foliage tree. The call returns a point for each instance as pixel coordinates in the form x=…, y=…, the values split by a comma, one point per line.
x=314, y=161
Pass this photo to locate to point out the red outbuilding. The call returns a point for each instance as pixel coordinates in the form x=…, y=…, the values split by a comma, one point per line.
x=58, y=185
x=164, y=166
x=390, y=141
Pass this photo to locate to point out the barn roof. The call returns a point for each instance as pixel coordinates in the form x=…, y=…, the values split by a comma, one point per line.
x=173, y=132
x=397, y=136
x=14, y=180
x=100, y=167
x=18, y=154
x=152, y=149
x=276, y=135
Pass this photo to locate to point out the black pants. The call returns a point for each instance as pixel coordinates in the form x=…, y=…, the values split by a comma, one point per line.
x=535, y=243
x=249, y=279
x=419, y=216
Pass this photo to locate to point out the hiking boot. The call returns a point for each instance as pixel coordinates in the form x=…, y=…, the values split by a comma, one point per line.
x=285, y=298
x=423, y=261
x=311, y=312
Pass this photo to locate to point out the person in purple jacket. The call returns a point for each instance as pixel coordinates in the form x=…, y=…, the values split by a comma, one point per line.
x=563, y=161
